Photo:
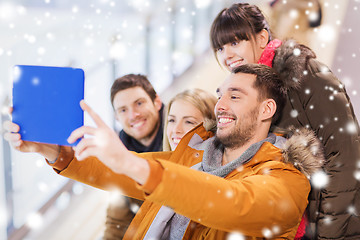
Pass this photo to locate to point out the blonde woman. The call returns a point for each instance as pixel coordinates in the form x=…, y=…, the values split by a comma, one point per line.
x=185, y=111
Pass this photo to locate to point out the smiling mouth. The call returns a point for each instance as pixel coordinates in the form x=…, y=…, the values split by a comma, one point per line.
x=223, y=120
x=138, y=124
x=236, y=63
x=176, y=140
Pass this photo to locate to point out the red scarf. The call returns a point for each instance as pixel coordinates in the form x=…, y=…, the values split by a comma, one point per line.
x=269, y=52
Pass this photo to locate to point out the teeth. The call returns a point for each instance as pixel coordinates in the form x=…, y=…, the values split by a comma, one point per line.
x=225, y=120
x=138, y=124
x=176, y=140
x=234, y=64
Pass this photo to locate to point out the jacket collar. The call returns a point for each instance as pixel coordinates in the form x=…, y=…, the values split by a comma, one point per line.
x=291, y=61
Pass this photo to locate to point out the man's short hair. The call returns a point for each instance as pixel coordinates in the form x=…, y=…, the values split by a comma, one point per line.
x=268, y=83
x=130, y=81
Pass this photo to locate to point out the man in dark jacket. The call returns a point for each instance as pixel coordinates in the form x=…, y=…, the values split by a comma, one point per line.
x=139, y=110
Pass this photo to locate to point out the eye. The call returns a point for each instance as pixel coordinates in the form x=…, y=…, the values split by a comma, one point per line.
x=234, y=43
x=220, y=49
x=190, y=122
x=234, y=97
x=171, y=120
x=139, y=103
x=122, y=110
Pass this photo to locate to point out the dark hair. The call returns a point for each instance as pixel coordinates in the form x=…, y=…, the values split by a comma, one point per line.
x=241, y=21
x=130, y=81
x=268, y=83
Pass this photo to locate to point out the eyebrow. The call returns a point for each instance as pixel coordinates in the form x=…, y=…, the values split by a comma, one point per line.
x=171, y=115
x=234, y=89
x=123, y=106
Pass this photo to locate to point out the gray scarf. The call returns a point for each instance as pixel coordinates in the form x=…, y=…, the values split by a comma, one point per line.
x=169, y=225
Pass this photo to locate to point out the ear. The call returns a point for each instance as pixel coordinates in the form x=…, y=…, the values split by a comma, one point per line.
x=263, y=38
x=157, y=102
x=268, y=109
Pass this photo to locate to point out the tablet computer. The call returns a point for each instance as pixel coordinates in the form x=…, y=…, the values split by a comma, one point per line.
x=46, y=102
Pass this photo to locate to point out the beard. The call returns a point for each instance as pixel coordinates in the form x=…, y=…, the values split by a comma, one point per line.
x=243, y=131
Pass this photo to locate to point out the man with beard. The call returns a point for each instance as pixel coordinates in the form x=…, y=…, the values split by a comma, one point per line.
x=241, y=180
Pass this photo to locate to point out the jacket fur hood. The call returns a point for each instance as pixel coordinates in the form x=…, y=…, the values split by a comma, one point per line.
x=304, y=150
x=290, y=62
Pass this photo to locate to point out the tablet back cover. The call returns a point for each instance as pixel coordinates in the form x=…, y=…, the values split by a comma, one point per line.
x=46, y=102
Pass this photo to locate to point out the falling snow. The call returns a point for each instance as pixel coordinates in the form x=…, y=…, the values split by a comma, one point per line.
x=319, y=179
x=294, y=113
x=34, y=220
x=235, y=236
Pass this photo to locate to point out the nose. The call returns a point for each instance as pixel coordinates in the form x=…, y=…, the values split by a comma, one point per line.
x=221, y=105
x=134, y=114
x=228, y=52
x=178, y=128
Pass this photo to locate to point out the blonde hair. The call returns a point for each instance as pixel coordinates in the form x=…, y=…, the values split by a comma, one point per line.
x=202, y=100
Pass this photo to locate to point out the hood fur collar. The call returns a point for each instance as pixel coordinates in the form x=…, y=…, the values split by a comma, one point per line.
x=304, y=150
x=290, y=62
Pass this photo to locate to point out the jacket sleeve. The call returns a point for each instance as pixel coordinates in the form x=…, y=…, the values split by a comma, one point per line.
x=327, y=109
x=251, y=205
x=94, y=173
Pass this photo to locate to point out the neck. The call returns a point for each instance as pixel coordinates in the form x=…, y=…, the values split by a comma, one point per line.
x=146, y=141
x=230, y=154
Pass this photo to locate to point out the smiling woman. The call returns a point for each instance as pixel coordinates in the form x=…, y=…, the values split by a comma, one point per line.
x=185, y=111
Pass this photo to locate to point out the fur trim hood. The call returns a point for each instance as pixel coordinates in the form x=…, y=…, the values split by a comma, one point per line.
x=304, y=150
x=291, y=61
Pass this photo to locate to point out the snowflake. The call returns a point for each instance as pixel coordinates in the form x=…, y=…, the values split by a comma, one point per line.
x=235, y=236
x=352, y=210
x=267, y=233
x=63, y=201
x=327, y=220
x=134, y=207
x=229, y=194
x=16, y=74
x=43, y=187
x=297, y=52
x=294, y=113
x=294, y=13
x=351, y=128
x=276, y=229
x=35, y=81
x=117, y=51
x=75, y=9
x=319, y=179
x=77, y=188
x=5, y=110
x=202, y=3
x=34, y=220
x=326, y=33
x=357, y=175
x=41, y=51
x=50, y=36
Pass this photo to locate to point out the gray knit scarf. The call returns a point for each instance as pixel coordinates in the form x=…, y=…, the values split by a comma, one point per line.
x=169, y=225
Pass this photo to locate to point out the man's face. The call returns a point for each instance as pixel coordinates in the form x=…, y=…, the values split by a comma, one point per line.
x=237, y=110
x=137, y=113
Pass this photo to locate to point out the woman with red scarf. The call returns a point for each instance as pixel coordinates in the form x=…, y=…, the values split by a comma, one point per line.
x=316, y=99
